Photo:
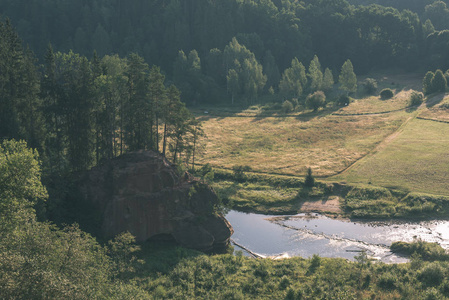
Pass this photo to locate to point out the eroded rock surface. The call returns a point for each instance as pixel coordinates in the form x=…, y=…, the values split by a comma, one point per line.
x=140, y=192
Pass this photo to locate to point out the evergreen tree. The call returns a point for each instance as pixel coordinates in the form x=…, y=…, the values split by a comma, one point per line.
x=315, y=75
x=328, y=80
x=427, y=83
x=347, y=78
x=438, y=82
x=138, y=111
x=293, y=80
x=249, y=71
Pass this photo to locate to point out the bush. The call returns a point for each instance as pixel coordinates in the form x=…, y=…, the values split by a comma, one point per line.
x=239, y=172
x=370, y=86
x=295, y=102
x=287, y=106
x=432, y=274
x=343, y=100
x=316, y=100
x=386, y=94
x=416, y=99
x=438, y=82
x=427, y=83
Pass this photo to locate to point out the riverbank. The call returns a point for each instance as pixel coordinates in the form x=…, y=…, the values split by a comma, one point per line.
x=281, y=195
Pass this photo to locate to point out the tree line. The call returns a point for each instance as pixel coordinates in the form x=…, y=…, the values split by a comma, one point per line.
x=78, y=111
x=275, y=32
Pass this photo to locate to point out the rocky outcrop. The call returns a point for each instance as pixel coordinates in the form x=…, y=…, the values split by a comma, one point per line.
x=140, y=192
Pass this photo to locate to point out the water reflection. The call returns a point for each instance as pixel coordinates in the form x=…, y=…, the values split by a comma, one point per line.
x=308, y=234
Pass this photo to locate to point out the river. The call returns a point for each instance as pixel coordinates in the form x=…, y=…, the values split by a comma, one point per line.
x=307, y=234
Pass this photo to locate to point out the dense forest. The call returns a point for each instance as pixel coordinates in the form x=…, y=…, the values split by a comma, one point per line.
x=190, y=40
x=82, y=82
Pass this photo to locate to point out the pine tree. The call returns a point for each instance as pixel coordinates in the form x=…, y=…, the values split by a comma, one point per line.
x=439, y=82
x=347, y=78
x=315, y=75
x=328, y=80
x=427, y=83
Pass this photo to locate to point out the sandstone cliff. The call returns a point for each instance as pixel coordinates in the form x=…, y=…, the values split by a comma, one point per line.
x=140, y=192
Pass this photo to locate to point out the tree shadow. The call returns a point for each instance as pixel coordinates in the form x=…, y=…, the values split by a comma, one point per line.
x=434, y=100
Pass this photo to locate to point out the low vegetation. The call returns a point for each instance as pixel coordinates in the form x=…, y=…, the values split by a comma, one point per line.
x=425, y=250
x=173, y=273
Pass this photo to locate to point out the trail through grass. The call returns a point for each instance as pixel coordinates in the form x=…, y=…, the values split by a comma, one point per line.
x=417, y=160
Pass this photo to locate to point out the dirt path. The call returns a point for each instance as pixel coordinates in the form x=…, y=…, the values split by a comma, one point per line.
x=331, y=205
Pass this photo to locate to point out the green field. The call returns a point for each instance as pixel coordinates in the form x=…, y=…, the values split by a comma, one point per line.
x=378, y=143
x=416, y=160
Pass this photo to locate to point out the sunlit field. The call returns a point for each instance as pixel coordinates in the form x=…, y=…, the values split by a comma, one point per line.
x=288, y=145
x=416, y=160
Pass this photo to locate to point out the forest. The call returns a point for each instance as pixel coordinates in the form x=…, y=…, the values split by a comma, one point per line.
x=82, y=82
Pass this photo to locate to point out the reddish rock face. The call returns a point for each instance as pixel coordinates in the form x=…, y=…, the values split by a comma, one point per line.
x=140, y=192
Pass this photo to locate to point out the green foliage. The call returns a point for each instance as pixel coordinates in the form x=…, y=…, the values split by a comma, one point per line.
x=239, y=172
x=347, y=78
x=245, y=76
x=206, y=172
x=309, y=180
x=294, y=80
x=315, y=75
x=287, y=106
x=316, y=100
x=432, y=274
x=427, y=83
x=315, y=263
x=426, y=250
x=438, y=82
x=343, y=100
x=122, y=250
x=20, y=184
x=328, y=80
x=370, y=86
x=386, y=94
x=416, y=98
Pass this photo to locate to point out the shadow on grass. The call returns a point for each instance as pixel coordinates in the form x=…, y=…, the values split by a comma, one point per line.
x=434, y=100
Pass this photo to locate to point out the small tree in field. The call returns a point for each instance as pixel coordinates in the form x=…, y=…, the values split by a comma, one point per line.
x=310, y=180
x=316, y=100
x=386, y=94
x=416, y=99
x=370, y=86
x=287, y=106
x=427, y=83
x=347, y=78
x=439, y=82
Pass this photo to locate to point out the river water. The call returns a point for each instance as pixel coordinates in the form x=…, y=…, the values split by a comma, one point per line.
x=307, y=234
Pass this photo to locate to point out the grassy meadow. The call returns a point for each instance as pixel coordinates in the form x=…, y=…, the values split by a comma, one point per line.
x=369, y=144
x=289, y=145
x=416, y=160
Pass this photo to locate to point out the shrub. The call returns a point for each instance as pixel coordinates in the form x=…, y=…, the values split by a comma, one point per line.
x=438, y=82
x=427, y=83
x=239, y=172
x=287, y=106
x=370, y=86
x=295, y=102
x=386, y=94
x=309, y=180
x=416, y=99
x=387, y=281
x=432, y=274
x=316, y=100
x=343, y=100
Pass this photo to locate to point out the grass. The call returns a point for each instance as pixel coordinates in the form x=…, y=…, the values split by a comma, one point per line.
x=438, y=110
x=417, y=160
x=373, y=104
x=288, y=145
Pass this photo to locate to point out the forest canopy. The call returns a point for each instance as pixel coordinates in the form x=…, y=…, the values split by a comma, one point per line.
x=188, y=39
